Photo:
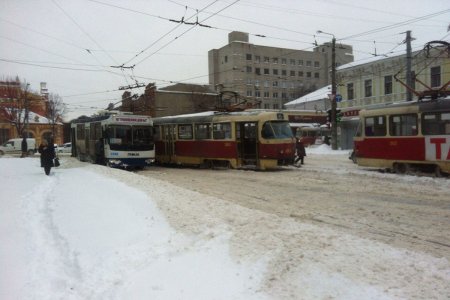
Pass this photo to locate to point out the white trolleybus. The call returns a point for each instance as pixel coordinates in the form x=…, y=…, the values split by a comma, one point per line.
x=115, y=139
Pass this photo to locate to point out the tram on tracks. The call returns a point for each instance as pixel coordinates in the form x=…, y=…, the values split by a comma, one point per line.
x=115, y=139
x=405, y=137
x=252, y=139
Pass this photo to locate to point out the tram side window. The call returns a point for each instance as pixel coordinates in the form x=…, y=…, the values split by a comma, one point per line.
x=436, y=123
x=403, y=125
x=375, y=126
x=202, y=131
x=185, y=132
x=221, y=131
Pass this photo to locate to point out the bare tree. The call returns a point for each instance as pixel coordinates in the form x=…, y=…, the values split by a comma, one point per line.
x=55, y=110
x=15, y=109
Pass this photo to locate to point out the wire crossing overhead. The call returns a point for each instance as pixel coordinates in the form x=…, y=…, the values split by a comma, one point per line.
x=130, y=87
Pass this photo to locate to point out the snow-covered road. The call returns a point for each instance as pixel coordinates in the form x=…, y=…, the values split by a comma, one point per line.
x=90, y=232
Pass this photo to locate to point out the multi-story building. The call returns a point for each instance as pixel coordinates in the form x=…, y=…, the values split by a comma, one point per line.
x=271, y=76
x=371, y=82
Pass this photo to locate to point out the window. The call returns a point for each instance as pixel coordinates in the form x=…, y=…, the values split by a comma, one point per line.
x=157, y=133
x=275, y=71
x=266, y=71
x=300, y=62
x=226, y=58
x=283, y=96
x=257, y=71
x=283, y=84
x=350, y=91
x=266, y=84
x=292, y=62
x=300, y=73
x=257, y=83
x=185, y=132
x=248, y=56
x=202, y=131
x=249, y=93
x=436, y=123
x=276, y=130
x=221, y=131
x=80, y=131
x=308, y=74
x=275, y=60
x=266, y=106
x=283, y=72
x=275, y=83
x=257, y=94
x=403, y=125
x=283, y=61
x=435, y=76
x=275, y=95
x=316, y=64
x=257, y=58
x=308, y=63
x=249, y=69
x=292, y=73
x=266, y=59
x=388, y=85
x=275, y=106
x=266, y=95
x=375, y=126
x=368, y=88
x=316, y=75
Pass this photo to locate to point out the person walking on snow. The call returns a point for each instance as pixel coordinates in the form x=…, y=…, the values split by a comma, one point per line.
x=47, y=152
x=301, y=153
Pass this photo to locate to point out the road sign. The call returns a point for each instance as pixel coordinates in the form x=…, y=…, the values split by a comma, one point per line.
x=338, y=98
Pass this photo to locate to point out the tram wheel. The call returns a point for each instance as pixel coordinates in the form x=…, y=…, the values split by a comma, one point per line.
x=437, y=171
x=401, y=168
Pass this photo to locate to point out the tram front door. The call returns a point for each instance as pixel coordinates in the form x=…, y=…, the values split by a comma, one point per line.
x=247, y=143
x=168, y=135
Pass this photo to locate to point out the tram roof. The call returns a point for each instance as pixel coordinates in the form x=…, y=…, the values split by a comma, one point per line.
x=427, y=105
x=209, y=116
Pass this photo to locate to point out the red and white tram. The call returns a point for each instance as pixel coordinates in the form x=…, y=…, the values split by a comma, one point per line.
x=400, y=137
x=254, y=139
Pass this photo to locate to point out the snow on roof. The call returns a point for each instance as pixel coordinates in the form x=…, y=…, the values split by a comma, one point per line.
x=319, y=94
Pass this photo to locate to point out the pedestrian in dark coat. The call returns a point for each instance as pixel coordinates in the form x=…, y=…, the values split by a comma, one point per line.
x=301, y=153
x=24, y=147
x=47, y=152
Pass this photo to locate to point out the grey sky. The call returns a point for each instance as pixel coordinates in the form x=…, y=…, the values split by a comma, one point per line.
x=71, y=44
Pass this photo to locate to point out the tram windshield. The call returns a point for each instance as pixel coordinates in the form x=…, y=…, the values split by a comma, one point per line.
x=276, y=130
x=123, y=137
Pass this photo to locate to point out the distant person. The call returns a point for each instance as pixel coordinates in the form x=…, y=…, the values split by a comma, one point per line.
x=24, y=147
x=47, y=152
x=301, y=152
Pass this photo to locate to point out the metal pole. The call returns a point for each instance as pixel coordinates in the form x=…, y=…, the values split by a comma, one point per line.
x=333, y=95
x=408, y=66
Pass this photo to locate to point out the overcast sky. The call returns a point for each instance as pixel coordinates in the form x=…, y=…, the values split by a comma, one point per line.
x=72, y=44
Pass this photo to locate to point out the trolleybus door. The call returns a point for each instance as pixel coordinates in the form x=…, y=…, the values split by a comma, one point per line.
x=247, y=142
x=168, y=135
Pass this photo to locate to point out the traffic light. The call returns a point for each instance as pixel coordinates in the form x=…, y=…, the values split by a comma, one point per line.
x=329, y=116
x=338, y=115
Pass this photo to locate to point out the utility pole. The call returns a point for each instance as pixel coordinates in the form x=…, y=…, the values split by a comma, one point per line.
x=409, y=81
x=333, y=91
x=333, y=95
x=26, y=120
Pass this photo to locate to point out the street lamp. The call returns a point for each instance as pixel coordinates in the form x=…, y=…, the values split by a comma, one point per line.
x=333, y=91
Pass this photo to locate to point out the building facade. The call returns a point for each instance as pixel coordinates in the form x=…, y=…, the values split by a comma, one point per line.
x=170, y=101
x=271, y=76
x=13, y=99
x=372, y=83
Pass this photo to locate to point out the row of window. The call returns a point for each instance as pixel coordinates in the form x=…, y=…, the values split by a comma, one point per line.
x=284, y=61
x=283, y=84
x=266, y=71
x=219, y=131
x=266, y=94
x=407, y=124
x=435, y=81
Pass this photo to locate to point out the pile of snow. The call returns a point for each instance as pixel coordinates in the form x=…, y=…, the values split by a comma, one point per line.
x=324, y=149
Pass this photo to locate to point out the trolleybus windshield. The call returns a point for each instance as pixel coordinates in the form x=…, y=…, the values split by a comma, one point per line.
x=122, y=137
x=276, y=130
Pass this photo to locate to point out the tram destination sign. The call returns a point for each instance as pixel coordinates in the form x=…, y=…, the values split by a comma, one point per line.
x=132, y=119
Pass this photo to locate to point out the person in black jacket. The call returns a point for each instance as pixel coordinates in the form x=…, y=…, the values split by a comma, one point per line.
x=47, y=152
x=24, y=147
x=301, y=153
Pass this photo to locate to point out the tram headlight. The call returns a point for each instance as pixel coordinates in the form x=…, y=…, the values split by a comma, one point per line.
x=149, y=161
x=115, y=162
